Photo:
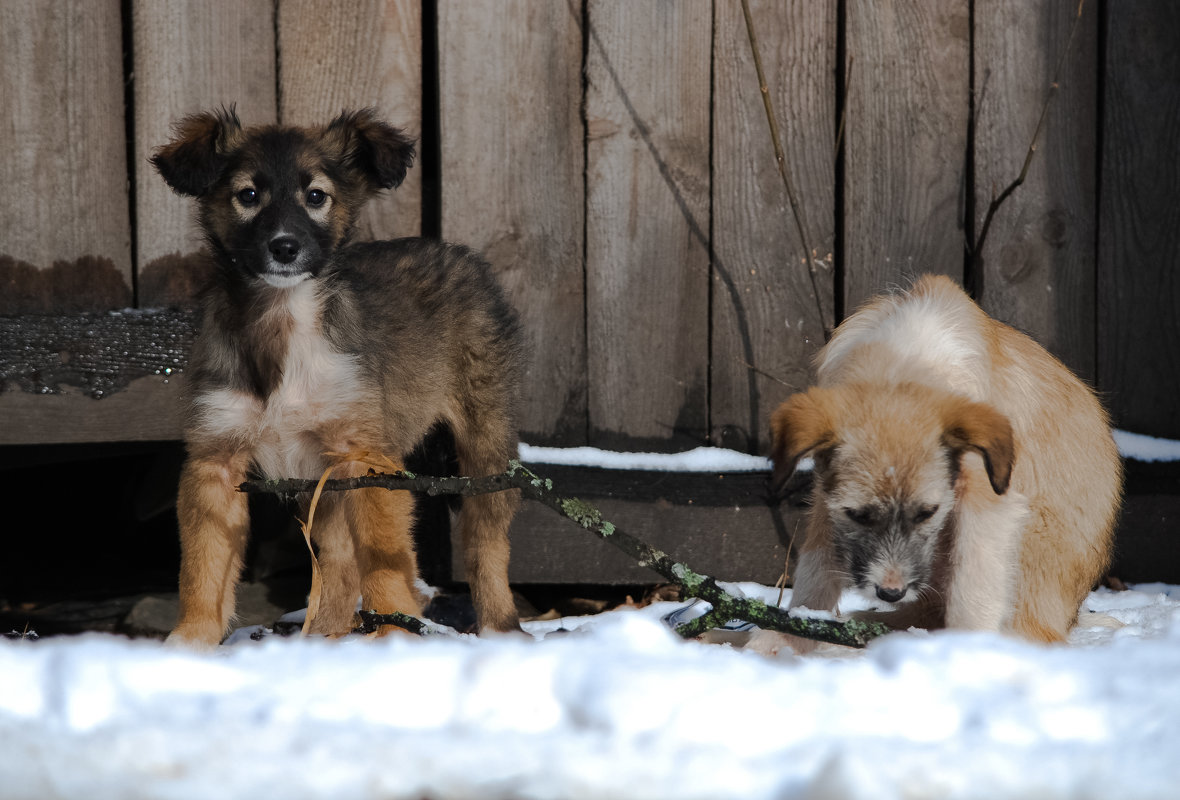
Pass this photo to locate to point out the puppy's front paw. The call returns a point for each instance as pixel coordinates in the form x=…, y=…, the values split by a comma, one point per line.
x=773, y=643
x=193, y=638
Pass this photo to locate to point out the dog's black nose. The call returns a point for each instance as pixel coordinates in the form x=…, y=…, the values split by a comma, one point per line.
x=284, y=249
x=890, y=595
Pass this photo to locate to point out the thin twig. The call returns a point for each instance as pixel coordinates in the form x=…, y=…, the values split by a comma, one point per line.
x=781, y=583
x=371, y=621
x=809, y=254
x=852, y=633
x=998, y=200
x=764, y=373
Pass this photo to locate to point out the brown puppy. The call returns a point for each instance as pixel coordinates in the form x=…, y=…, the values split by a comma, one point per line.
x=311, y=346
x=960, y=470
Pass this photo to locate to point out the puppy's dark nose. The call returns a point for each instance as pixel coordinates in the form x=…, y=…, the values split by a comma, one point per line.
x=284, y=249
x=890, y=595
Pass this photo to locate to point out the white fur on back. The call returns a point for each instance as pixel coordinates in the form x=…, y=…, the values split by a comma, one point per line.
x=933, y=335
x=320, y=389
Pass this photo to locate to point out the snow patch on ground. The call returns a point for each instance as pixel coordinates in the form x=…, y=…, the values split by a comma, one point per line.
x=610, y=706
x=715, y=459
x=700, y=459
x=1146, y=448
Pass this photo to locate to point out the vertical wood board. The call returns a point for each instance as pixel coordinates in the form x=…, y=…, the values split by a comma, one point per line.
x=907, y=113
x=339, y=54
x=512, y=183
x=647, y=226
x=1139, y=218
x=190, y=56
x=1038, y=259
x=766, y=325
x=67, y=232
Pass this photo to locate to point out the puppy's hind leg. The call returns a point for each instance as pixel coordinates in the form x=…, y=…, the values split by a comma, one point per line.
x=484, y=447
x=214, y=524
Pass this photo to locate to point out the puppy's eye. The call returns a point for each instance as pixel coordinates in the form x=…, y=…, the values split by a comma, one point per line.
x=248, y=196
x=861, y=516
x=925, y=513
x=316, y=198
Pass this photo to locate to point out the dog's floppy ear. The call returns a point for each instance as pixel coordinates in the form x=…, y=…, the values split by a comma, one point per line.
x=378, y=151
x=978, y=426
x=195, y=158
x=801, y=425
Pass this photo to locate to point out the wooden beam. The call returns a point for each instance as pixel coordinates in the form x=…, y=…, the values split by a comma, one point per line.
x=1039, y=259
x=67, y=229
x=512, y=182
x=92, y=377
x=906, y=143
x=720, y=524
x=766, y=326
x=1139, y=218
x=647, y=224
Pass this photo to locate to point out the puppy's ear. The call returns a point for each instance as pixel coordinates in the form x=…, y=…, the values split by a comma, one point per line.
x=977, y=426
x=197, y=155
x=380, y=152
x=801, y=425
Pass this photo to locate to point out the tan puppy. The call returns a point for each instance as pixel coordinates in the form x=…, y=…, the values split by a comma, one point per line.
x=960, y=470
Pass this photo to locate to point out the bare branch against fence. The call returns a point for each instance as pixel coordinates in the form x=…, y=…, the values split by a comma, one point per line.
x=998, y=200
x=725, y=606
x=809, y=255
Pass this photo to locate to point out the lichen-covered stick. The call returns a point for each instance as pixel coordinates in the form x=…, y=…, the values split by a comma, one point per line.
x=725, y=605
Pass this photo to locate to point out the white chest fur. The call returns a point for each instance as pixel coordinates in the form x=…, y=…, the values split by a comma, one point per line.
x=311, y=411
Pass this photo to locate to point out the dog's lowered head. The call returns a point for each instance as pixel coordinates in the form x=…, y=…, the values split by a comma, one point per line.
x=275, y=202
x=886, y=467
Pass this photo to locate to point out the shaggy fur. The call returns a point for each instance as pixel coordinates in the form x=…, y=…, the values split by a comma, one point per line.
x=960, y=470
x=310, y=345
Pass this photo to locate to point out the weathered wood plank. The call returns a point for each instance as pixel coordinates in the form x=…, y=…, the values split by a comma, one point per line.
x=647, y=226
x=907, y=114
x=1145, y=541
x=718, y=524
x=721, y=525
x=67, y=230
x=1039, y=259
x=148, y=409
x=108, y=377
x=342, y=54
x=512, y=174
x=190, y=56
x=1139, y=218
x=766, y=326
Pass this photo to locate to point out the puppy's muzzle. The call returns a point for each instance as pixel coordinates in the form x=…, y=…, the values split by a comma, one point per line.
x=284, y=249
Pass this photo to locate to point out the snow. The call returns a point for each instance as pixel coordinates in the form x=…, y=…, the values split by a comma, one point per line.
x=715, y=459
x=1146, y=448
x=700, y=459
x=609, y=706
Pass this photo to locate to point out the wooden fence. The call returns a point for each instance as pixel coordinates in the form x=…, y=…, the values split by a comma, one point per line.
x=613, y=160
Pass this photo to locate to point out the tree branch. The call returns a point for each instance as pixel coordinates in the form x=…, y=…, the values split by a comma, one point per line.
x=998, y=200
x=809, y=255
x=371, y=621
x=851, y=633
